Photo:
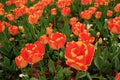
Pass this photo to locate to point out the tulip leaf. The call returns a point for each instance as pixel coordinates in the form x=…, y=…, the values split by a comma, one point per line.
x=33, y=78
x=117, y=63
x=42, y=78
x=59, y=75
x=102, y=64
x=6, y=61
x=80, y=75
x=51, y=66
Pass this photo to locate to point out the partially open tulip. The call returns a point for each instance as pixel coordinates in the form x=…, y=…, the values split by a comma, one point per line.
x=85, y=37
x=53, y=11
x=21, y=62
x=49, y=30
x=65, y=11
x=73, y=21
x=13, y=30
x=114, y=25
x=2, y=11
x=85, y=2
x=78, y=28
x=33, y=53
x=109, y=13
x=44, y=39
x=56, y=40
x=98, y=15
x=10, y=17
x=117, y=8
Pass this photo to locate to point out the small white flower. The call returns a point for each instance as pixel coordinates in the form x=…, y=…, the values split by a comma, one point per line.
x=106, y=20
x=105, y=39
x=23, y=75
x=89, y=26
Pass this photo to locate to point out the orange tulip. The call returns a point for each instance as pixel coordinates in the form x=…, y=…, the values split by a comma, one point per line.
x=13, y=30
x=2, y=11
x=117, y=76
x=98, y=15
x=73, y=21
x=113, y=25
x=33, y=53
x=117, y=8
x=21, y=62
x=32, y=19
x=44, y=39
x=79, y=55
x=78, y=28
x=1, y=5
x=49, y=30
x=53, y=11
x=56, y=40
x=65, y=11
x=2, y=27
x=85, y=37
x=85, y=2
x=109, y=13
x=64, y=3
x=8, y=3
x=87, y=14
x=10, y=17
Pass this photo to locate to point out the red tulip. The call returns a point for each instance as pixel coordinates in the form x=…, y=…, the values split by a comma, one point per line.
x=2, y=27
x=117, y=76
x=21, y=62
x=114, y=25
x=13, y=30
x=56, y=40
x=79, y=55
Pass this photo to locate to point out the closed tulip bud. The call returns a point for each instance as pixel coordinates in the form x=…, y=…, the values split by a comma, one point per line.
x=100, y=41
x=11, y=39
x=23, y=35
x=21, y=28
x=98, y=34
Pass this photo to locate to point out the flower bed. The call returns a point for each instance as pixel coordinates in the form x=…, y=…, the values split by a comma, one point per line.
x=59, y=39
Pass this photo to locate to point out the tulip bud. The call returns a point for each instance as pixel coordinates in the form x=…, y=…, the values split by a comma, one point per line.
x=100, y=41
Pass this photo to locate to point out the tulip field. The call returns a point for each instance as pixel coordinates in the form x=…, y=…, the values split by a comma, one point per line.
x=59, y=39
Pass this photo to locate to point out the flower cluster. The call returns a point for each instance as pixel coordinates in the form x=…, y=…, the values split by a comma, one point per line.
x=87, y=14
x=63, y=5
x=56, y=40
x=79, y=54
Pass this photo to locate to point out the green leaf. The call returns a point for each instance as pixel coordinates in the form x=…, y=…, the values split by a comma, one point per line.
x=80, y=75
x=117, y=63
x=42, y=78
x=67, y=72
x=51, y=66
x=59, y=75
x=102, y=64
x=42, y=66
x=33, y=78
x=6, y=61
x=89, y=77
x=13, y=67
